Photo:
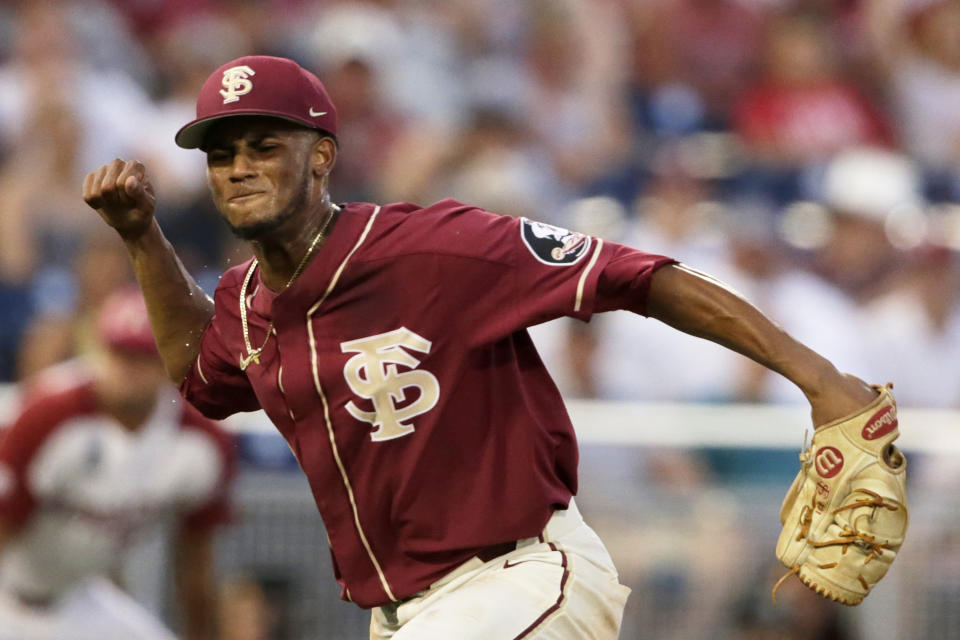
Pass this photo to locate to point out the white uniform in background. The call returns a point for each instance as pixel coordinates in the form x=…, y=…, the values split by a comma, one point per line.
x=76, y=487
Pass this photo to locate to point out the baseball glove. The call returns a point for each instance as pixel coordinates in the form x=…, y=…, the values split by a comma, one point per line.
x=845, y=515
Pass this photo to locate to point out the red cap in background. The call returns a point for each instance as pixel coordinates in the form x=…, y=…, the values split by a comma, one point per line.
x=123, y=323
x=260, y=85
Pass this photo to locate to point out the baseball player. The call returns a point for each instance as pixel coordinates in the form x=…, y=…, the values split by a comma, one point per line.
x=102, y=450
x=388, y=344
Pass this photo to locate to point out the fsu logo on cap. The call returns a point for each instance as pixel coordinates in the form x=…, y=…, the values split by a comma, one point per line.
x=553, y=245
x=236, y=83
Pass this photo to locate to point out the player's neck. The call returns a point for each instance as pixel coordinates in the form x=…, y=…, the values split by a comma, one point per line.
x=286, y=252
x=131, y=415
x=132, y=418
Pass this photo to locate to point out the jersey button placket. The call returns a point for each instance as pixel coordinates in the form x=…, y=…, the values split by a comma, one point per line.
x=284, y=374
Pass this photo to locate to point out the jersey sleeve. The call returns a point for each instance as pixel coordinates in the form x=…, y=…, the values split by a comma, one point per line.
x=624, y=282
x=521, y=273
x=215, y=385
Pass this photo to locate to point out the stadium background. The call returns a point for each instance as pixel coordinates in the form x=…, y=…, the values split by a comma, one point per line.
x=709, y=130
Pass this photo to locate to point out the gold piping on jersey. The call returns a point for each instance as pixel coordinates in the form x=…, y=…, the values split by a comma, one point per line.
x=280, y=380
x=326, y=407
x=586, y=272
x=290, y=446
x=200, y=371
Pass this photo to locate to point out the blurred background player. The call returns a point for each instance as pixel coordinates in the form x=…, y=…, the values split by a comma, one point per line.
x=101, y=451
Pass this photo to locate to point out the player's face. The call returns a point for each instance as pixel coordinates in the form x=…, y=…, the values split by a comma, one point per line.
x=260, y=172
x=132, y=379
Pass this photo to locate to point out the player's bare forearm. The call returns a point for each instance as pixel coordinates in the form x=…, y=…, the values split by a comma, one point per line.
x=193, y=574
x=121, y=193
x=701, y=306
x=179, y=309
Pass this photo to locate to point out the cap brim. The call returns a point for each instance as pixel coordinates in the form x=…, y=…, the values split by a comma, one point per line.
x=191, y=135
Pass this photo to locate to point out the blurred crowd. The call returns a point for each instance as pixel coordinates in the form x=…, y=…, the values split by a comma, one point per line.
x=807, y=152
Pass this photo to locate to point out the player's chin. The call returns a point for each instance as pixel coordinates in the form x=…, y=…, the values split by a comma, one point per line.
x=254, y=218
x=252, y=230
x=255, y=229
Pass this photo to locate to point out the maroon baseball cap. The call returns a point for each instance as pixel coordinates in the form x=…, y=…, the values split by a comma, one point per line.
x=263, y=86
x=123, y=324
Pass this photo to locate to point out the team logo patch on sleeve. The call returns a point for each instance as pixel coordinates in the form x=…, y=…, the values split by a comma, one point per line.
x=553, y=245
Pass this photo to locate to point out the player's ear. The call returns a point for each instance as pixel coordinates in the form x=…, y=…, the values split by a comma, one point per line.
x=323, y=155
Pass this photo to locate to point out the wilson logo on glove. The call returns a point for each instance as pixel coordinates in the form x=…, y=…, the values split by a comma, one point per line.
x=829, y=461
x=880, y=424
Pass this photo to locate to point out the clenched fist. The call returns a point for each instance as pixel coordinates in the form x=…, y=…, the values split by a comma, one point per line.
x=123, y=196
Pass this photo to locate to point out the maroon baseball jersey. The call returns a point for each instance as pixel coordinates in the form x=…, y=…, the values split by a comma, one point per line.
x=402, y=377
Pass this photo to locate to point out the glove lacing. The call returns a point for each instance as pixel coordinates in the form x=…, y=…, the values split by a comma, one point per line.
x=848, y=535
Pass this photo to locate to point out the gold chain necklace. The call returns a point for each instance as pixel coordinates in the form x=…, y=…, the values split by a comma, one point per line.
x=253, y=355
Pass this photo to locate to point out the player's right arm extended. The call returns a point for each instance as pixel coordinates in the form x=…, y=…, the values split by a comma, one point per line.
x=697, y=304
x=179, y=309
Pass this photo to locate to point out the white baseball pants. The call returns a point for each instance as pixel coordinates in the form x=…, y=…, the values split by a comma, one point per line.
x=563, y=588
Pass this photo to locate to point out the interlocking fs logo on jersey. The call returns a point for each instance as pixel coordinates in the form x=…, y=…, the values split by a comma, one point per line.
x=553, y=245
x=236, y=83
x=373, y=375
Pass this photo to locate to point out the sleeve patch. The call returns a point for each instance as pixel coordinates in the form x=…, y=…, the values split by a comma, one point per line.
x=552, y=245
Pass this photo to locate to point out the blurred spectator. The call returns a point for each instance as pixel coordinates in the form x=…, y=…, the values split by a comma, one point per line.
x=917, y=43
x=692, y=59
x=677, y=217
x=572, y=96
x=41, y=216
x=493, y=163
x=147, y=18
x=368, y=128
x=54, y=122
x=852, y=262
x=868, y=191
x=810, y=308
x=48, y=67
x=802, y=109
x=274, y=26
x=102, y=451
x=104, y=37
x=64, y=326
x=917, y=324
x=414, y=46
